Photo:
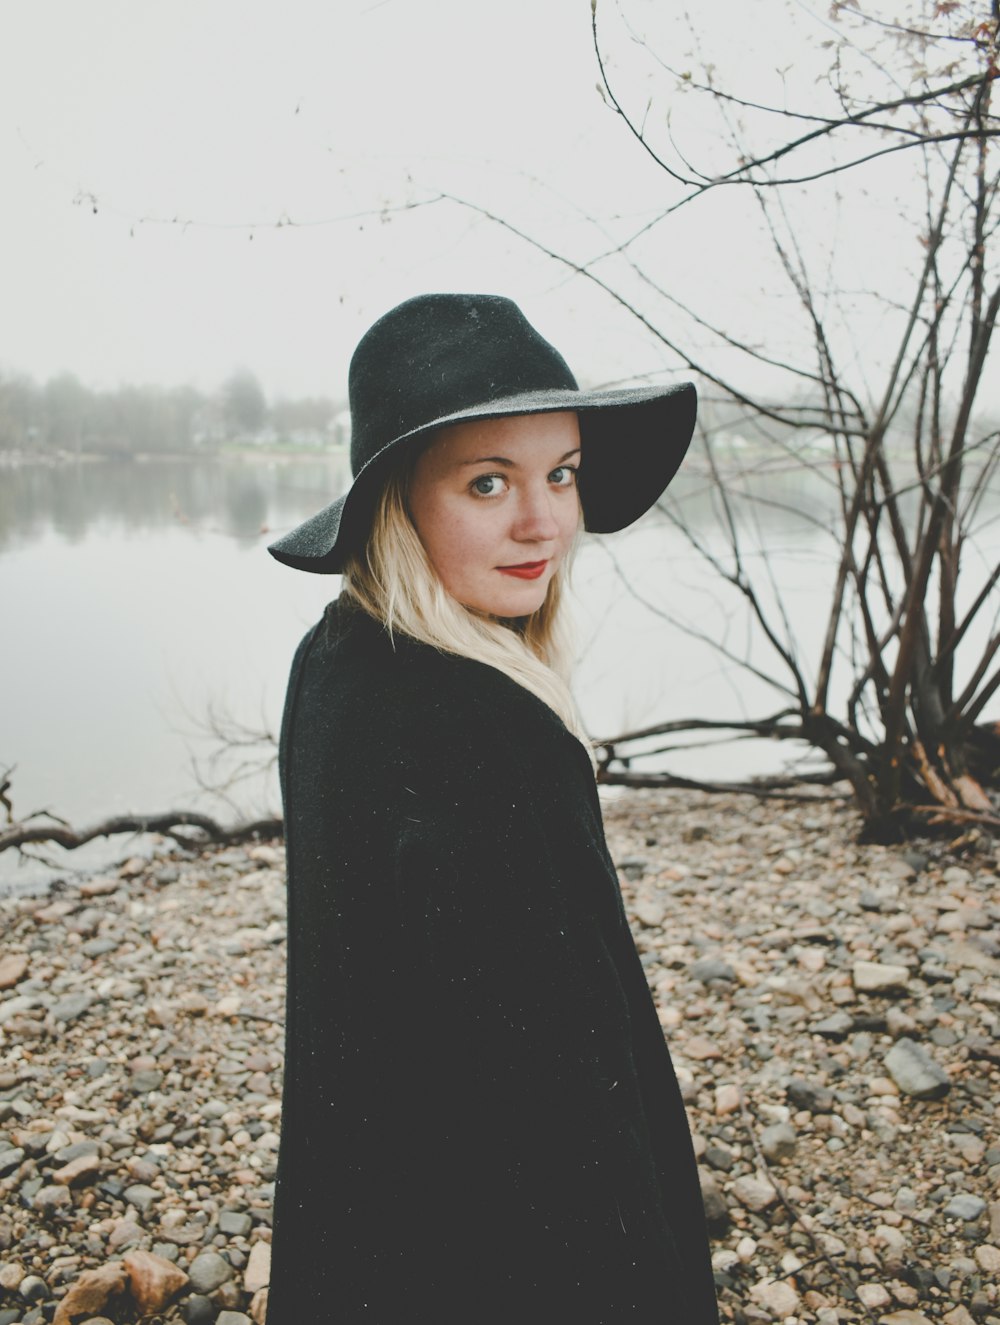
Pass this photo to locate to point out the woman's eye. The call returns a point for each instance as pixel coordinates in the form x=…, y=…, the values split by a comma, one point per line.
x=488, y=485
x=564, y=476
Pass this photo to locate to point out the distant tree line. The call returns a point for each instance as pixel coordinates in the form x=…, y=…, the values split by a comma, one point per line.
x=62, y=415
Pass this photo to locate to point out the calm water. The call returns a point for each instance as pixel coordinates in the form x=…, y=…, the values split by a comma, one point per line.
x=138, y=596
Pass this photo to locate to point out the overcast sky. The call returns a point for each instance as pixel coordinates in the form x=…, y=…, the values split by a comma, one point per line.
x=194, y=187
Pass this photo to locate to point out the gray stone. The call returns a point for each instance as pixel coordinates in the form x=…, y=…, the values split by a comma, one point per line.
x=71, y=1007
x=633, y=867
x=965, y=1206
x=10, y=1159
x=48, y=1200
x=98, y=947
x=232, y=1318
x=915, y=1072
x=150, y=1078
x=76, y=1150
x=141, y=1196
x=711, y=968
x=199, y=1310
x=208, y=1270
x=879, y=977
x=234, y=1224
x=716, y=1209
x=755, y=1193
x=778, y=1141
x=804, y=1095
x=836, y=1026
x=650, y=909
x=34, y=1289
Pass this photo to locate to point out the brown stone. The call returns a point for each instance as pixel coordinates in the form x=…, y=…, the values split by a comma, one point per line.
x=78, y=1171
x=258, y=1307
x=90, y=1292
x=700, y=1048
x=98, y=887
x=754, y=1193
x=13, y=968
x=124, y=1232
x=153, y=1280
x=257, y=1274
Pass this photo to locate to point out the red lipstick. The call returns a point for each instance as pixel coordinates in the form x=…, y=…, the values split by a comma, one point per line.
x=527, y=570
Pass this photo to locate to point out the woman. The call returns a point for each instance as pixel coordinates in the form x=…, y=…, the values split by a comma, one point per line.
x=480, y=1123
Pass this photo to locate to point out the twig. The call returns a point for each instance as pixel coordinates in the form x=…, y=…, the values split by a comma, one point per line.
x=795, y=1215
x=169, y=824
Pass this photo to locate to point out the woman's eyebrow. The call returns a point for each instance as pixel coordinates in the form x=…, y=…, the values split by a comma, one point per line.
x=512, y=464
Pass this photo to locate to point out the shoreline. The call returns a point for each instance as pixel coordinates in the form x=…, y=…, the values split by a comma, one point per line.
x=141, y=1043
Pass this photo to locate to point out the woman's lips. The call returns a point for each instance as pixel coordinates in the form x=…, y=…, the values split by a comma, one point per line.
x=527, y=570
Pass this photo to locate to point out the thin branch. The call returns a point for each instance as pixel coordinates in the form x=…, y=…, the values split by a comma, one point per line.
x=169, y=824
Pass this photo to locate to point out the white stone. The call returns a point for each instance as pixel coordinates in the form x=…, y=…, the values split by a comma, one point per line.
x=746, y=1249
x=873, y=1296
x=257, y=1274
x=958, y=1316
x=724, y=1260
x=755, y=1193
x=777, y=1297
x=874, y=977
x=727, y=1100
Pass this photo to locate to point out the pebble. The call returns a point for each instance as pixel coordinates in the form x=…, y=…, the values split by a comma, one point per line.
x=878, y=978
x=755, y=1193
x=257, y=1274
x=727, y=1100
x=777, y=1297
x=199, y=1310
x=836, y=1026
x=71, y=1007
x=874, y=1296
x=806, y=1095
x=208, y=1271
x=13, y=968
x=34, y=1289
x=778, y=1141
x=153, y=1280
x=711, y=968
x=915, y=1072
x=233, y=1223
x=959, y=1316
x=965, y=1207
x=173, y=955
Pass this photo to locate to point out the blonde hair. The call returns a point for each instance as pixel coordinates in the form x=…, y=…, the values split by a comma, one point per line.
x=393, y=580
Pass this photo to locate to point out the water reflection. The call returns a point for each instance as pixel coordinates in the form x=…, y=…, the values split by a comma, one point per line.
x=156, y=573
x=232, y=496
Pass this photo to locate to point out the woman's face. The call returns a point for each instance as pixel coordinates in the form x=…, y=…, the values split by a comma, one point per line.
x=495, y=504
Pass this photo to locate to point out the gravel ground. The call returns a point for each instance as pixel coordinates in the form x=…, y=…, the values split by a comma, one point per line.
x=833, y=1011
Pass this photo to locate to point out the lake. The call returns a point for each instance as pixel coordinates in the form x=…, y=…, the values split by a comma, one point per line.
x=138, y=598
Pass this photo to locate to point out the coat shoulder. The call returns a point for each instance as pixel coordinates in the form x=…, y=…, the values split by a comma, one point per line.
x=394, y=698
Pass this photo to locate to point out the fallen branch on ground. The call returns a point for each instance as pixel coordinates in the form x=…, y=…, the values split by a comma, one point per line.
x=170, y=824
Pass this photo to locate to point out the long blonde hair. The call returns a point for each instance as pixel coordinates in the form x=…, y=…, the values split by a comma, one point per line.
x=393, y=580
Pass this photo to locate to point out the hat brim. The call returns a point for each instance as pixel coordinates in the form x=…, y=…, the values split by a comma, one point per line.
x=633, y=442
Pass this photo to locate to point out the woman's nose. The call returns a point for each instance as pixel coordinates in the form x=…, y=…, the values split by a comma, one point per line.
x=536, y=519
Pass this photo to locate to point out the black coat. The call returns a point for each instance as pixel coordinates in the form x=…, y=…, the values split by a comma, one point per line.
x=481, y=1123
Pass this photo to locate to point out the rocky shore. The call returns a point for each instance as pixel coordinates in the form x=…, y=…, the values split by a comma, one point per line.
x=833, y=1011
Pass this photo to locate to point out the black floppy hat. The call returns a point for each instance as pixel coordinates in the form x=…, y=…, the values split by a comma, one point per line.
x=440, y=359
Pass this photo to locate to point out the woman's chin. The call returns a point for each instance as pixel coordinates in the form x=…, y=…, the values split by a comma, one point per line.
x=520, y=598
